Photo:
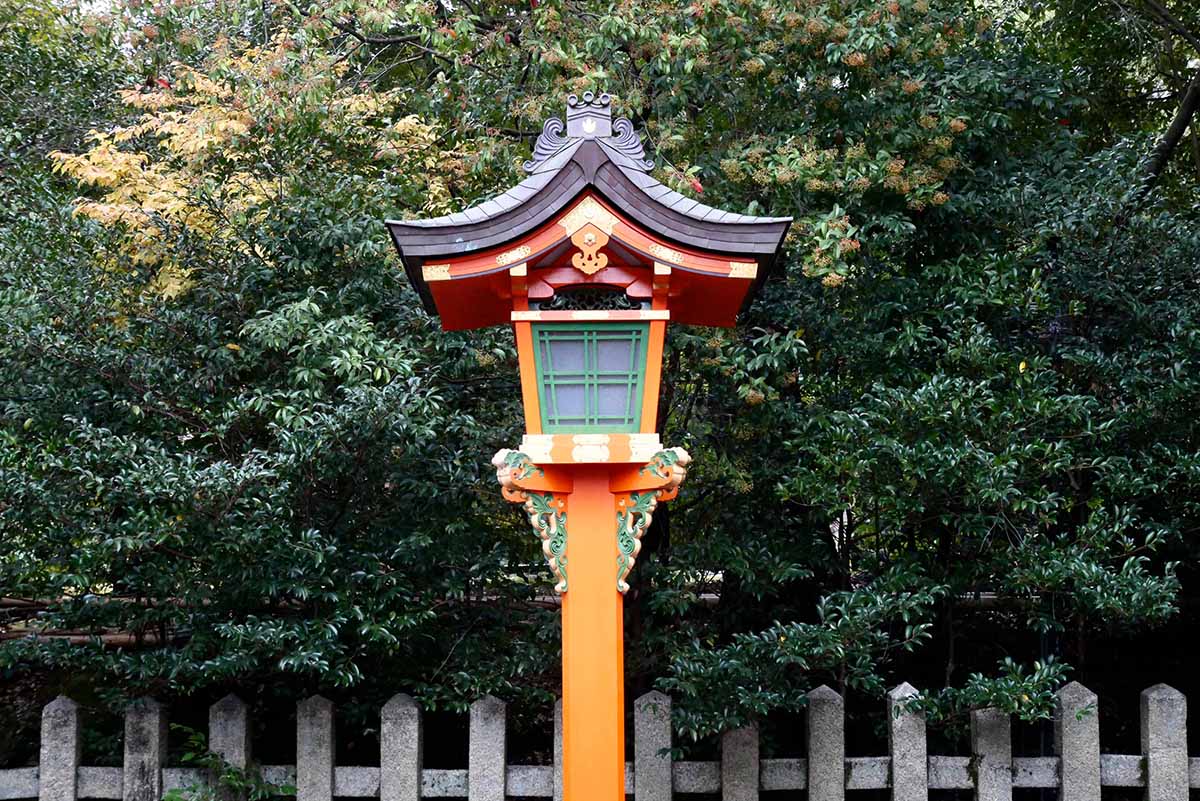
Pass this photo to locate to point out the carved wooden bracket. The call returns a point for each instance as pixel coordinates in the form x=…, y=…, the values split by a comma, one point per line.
x=635, y=509
x=547, y=511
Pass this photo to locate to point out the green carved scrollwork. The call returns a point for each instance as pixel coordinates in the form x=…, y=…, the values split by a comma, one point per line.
x=545, y=511
x=662, y=462
x=633, y=518
x=549, y=522
x=520, y=465
x=636, y=510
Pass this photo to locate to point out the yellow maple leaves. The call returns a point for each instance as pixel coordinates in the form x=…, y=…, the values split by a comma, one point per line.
x=198, y=158
x=140, y=196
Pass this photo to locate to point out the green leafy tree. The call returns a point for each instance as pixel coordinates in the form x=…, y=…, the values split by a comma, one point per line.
x=236, y=451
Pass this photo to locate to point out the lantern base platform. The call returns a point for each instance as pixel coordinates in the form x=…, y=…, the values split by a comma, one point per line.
x=590, y=448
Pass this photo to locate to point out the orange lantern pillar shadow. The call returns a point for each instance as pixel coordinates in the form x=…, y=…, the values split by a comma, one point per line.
x=588, y=259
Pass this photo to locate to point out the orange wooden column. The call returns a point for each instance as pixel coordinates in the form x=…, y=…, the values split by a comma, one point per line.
x=591, y=517
x=593, y=645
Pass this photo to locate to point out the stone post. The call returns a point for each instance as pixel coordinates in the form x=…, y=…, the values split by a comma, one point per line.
x=1164, y=743
x=558, y=750
x=401, y=750
x=826, y=745
x=229, y=738
x=991, y=753
x=1077, y=742
x=652, y=747
x=739, y=765
x=229, y=731
x=906, y=742
x=487, y=749
x=314, y=749
x=60, y=751
x=145, y=750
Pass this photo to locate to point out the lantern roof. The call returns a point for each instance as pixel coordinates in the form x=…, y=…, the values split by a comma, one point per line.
x=591, y=154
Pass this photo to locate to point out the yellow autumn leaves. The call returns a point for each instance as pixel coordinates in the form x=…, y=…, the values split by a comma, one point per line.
x=204, y=155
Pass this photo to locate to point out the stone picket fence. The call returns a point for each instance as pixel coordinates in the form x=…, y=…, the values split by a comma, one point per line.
x=1078, y=770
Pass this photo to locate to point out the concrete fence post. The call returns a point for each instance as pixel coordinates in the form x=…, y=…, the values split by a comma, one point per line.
x=487, y=750
x=908, y=748
x=652, y=747
x=991, y=754
x=145, y=750
x=1077, y=742
x=826, y=734
x=229, y=738
x=739, y=764
x=401, y=750
x=229, y=731
x=60, y=751
x=1164, y=743
x=314, y=749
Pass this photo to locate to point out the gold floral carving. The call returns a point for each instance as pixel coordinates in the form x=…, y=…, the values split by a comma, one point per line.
x=435, y=272
x=516, y=254
x=665, y=253
x=589, y=240
x=588, y=211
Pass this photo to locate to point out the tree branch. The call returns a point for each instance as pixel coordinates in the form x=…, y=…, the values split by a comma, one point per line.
x=1160, y=156
x=1169, y=21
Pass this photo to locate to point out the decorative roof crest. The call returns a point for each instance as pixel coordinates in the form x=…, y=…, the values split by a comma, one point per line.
x=589, y=117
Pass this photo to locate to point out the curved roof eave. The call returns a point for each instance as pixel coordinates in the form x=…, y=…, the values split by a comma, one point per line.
x=585, y=164
x=609, y=160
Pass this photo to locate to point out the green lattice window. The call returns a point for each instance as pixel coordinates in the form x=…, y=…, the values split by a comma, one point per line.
x=590, y=375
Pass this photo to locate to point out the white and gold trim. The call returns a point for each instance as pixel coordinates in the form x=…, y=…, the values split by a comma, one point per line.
x=665, y=253
x=589, y=316
x=590, y=448
x=588, y=211
x=516, y=254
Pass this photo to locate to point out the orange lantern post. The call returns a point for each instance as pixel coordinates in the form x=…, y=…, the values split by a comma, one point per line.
x=588, y=259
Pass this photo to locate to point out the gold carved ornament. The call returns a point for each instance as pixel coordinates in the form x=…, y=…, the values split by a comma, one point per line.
x=665, y=253
x=516, y=254
x=588, y=211
x=589, y=259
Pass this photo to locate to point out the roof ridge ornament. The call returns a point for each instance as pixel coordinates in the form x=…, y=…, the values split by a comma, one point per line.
x=589, y=117
x=627, y=142
x=549, y=141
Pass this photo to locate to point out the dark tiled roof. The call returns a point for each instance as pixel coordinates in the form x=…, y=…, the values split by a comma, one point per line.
x=590, y=150
x=542, y=171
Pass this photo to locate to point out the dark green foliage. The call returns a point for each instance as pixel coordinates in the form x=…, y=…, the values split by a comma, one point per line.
x=974, y=378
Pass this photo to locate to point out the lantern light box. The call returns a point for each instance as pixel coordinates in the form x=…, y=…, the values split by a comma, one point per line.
x=588, y=258
x=590, y=376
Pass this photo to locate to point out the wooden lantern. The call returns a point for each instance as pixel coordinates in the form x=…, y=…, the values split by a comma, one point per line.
x=588, y=259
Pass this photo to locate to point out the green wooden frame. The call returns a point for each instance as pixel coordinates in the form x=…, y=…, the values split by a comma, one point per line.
x=591, y=334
